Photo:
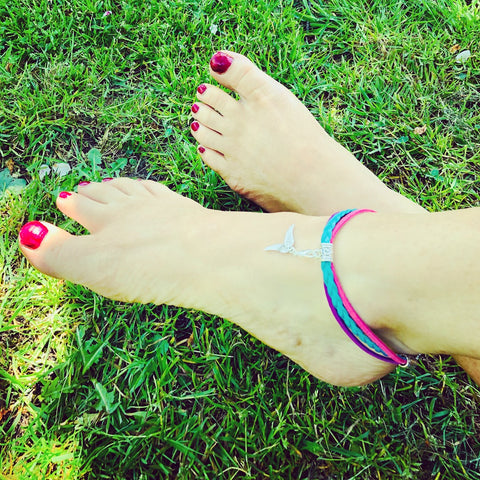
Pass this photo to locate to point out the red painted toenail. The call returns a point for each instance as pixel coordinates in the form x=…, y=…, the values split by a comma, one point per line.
x=195, y=108
x=64, y=194
x=195, y=126
x=82, y=184
x=32, y=234
x=201, y=88
x=107, y=179
x=201, y=149
x=220, y=62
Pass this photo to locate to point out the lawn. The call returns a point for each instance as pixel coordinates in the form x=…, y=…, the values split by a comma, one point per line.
x=96, y=389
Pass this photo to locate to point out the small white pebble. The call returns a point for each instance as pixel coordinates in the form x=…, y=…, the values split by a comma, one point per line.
x=462, y=57
x=43, y=171
x=61, y=169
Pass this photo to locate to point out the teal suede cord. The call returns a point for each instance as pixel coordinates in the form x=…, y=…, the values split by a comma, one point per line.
x=356, y=329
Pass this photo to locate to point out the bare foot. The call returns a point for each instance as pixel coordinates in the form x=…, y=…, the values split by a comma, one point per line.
x=148, y=244
x=268, y=147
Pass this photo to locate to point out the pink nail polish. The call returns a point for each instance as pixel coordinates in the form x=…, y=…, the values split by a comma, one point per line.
x=195, y=126
x=82, y=184
x=107, y=179
x=195, y=108
x=64, y=194
x=220, y=62
x=201, y=88
x=201, y=149
x=32, y=234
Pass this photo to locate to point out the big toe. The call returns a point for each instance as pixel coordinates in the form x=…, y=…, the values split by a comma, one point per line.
x=238, y=73
x=56, y=252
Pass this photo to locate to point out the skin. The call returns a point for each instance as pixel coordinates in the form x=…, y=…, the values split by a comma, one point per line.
x=148, y=244
x=322, y=178
x=268, y=147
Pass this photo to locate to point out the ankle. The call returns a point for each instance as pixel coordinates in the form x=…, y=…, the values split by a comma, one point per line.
x=279, y=298
x=395, y=272
x=256, y=286
x=367, y=275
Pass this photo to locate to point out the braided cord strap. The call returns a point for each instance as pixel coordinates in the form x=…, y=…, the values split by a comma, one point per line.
x=347, y=317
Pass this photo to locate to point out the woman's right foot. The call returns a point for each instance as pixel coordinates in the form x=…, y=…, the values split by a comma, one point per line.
x=148, y=244
x=268, y=147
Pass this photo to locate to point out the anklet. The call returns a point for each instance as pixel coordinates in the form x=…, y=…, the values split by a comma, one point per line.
x=348, y=319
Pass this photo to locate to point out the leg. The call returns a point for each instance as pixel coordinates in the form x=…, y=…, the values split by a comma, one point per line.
x=148, y=244
x=251, y=143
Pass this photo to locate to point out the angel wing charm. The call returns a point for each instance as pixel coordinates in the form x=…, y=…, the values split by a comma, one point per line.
x=288, y=246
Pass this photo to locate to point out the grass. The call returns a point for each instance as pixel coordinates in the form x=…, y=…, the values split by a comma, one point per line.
x=91, y=388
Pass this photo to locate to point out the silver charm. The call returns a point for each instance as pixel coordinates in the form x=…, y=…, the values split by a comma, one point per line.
x=288, y=246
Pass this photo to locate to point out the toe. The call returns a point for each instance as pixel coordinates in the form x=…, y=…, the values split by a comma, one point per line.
x=217, y=99
x=129, y=186
x=87, y=212
x=238, y=73
x=215, y=160
x=111, y=190
x=157, y=189
x=207, y=137
x=56, y=252
x=96, y=204
x=207, y=116
x=101, y=192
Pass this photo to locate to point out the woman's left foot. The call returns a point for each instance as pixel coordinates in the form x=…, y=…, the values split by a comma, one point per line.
x=268, y=147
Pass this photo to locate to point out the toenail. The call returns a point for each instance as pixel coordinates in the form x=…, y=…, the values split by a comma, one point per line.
x=220, y=62
x=195, y=108
x=201, y=149
x=107, y=179
x=195, y=126
x=201, y=88
x=32, y=234
x=64, y=194
x=82, y=184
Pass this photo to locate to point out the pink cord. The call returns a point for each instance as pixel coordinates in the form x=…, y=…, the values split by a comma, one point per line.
x=346, y=303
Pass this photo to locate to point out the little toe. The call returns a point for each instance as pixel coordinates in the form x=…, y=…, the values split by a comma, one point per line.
x=215, y=160
x=156, y=188
x=238, y=73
